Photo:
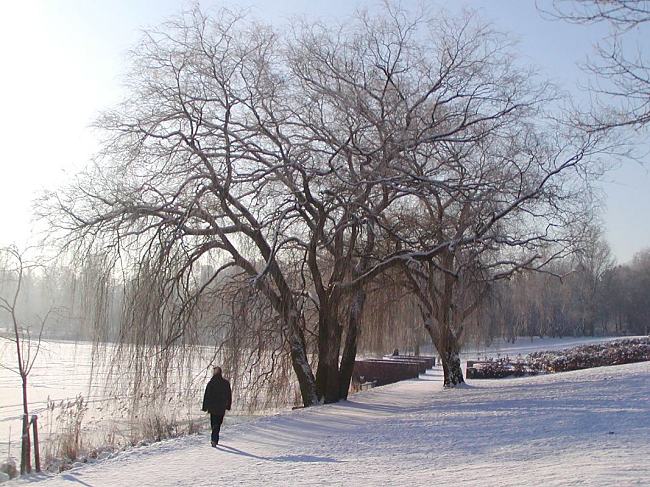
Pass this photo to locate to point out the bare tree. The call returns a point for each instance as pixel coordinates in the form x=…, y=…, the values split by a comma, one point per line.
x=289, y=160
x=187, y=172
x=407, y=112
x=625, y=295
x=623, y=68
x=12, y=271
x=538, y=182
x=594, y=261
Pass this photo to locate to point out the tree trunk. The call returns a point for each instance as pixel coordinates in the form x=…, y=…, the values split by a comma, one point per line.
x=300, y=362
x=453, y=374
x=26, y=463
x=329, y=347
x=284, y=305
x=350, y=348
x=448, y=347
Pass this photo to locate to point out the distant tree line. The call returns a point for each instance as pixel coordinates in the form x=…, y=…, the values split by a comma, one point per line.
x=68, y=295
x=579, y=296
x=612, y=301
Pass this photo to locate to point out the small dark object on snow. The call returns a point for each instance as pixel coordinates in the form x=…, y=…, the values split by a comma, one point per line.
x=396, y=352
x=216, y=400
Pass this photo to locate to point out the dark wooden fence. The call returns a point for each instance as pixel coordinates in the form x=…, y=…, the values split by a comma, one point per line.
x=390, y=369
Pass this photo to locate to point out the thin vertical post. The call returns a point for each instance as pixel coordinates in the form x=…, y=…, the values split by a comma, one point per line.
x=24, y=452
x=37, y=455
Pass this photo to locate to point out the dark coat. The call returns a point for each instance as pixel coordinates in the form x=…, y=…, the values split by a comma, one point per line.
x=218, y=396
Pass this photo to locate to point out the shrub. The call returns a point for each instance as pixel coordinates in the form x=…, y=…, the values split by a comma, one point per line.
x=585, y=356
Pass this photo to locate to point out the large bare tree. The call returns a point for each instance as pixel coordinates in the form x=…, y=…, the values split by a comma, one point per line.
x=289, y=160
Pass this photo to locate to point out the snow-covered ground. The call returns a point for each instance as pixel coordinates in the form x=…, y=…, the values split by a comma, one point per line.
x=526, y=345
x=588, y=427
x=63, y=370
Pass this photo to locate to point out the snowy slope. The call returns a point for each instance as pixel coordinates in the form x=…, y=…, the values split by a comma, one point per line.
x=589, y=427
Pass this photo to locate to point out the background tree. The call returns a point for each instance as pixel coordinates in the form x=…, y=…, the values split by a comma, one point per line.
x=25, y=337
x=594, y=261
x=629, y=285
x=535, y=183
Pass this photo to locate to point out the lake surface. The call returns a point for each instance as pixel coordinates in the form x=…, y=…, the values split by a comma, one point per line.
x=62, y=371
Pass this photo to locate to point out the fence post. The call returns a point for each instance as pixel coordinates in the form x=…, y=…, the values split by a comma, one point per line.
x=37, y=455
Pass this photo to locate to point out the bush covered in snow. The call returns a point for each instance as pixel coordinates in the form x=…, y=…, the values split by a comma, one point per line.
x=582, y=357
x=497, y=368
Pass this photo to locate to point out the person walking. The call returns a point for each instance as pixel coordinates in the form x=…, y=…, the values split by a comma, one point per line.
x=216, y=400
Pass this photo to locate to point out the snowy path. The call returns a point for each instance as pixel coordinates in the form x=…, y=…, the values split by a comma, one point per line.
x=578, y=428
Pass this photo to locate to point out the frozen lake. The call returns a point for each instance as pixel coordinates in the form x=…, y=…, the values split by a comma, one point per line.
x=62, y=371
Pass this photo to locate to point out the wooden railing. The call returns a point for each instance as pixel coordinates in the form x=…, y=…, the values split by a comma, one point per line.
x=390, y=369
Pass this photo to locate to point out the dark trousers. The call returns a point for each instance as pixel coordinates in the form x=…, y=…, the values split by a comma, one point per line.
x=215, y=423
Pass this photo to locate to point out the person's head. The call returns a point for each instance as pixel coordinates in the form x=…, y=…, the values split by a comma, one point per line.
x=216, y=371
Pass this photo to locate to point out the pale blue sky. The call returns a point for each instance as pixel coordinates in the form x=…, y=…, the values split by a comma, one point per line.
x=62, y=61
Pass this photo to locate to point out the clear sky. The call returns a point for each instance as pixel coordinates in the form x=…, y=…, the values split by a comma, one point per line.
x=62, y=61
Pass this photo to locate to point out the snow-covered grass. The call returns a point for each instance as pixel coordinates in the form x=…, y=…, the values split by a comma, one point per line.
x=588, y=427
x=526, y=345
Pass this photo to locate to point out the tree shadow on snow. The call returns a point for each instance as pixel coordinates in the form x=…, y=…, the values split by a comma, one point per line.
x=283, y=458
x=72, y=478
x=39, y=477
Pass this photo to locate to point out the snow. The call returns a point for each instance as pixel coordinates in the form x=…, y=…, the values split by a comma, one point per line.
x=63, y=370
x=526, y=345
x=588, y=427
